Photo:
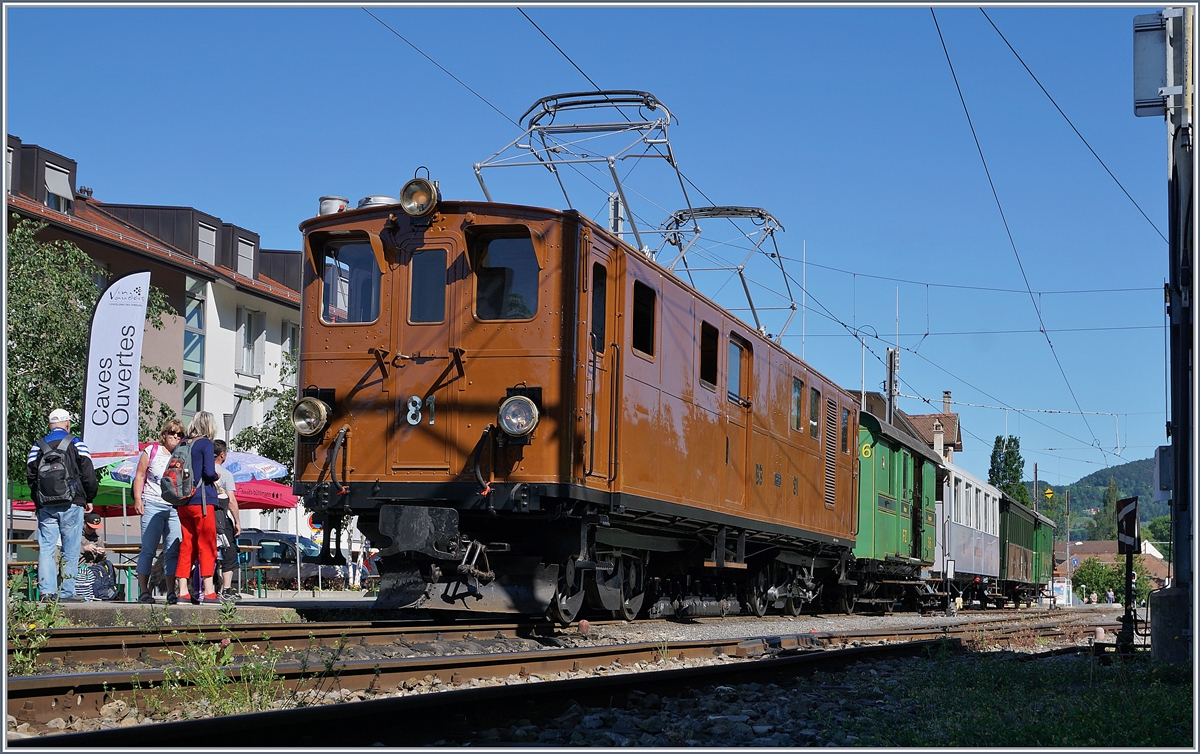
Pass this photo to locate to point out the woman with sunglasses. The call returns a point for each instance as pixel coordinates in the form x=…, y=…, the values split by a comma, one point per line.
x=160, y=522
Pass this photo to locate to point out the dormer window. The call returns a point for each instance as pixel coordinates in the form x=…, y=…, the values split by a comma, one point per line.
x=58, y=188
x=245, y=260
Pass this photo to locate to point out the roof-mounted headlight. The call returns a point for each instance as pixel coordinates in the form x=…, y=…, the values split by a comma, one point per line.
x=310, y=416
x=518, y=416
x=418, y=197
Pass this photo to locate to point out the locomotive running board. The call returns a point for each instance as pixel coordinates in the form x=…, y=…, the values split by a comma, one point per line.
x=525, y=586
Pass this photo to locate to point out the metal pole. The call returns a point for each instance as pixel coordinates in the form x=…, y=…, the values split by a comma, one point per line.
x=803, y=294
x=1070, y=584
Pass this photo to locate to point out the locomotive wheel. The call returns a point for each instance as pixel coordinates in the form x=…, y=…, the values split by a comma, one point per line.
x=756, y=594
x=632, y=594
x=793, y=606
x=848, y=599
x=568, y=596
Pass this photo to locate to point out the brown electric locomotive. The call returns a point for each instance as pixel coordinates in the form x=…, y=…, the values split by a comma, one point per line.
x=528, y=415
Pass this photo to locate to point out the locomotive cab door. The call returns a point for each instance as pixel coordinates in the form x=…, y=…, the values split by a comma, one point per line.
x=426, y=371
x=598, y=331
x=739, y=379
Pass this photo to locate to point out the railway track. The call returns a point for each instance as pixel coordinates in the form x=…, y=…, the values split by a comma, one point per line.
x=38, y=699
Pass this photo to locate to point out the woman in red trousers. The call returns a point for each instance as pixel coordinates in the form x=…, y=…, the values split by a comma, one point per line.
x=197, y=519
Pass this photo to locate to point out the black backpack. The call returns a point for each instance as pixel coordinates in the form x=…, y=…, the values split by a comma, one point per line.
x=105, y=585
x=57, y=478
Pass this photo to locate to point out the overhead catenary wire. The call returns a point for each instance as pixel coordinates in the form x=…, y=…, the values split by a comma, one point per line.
x=1008, y=231
x=1072, y=125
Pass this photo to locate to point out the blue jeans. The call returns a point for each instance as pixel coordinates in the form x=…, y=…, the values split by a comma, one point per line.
x=160, y=523
x=54, y=522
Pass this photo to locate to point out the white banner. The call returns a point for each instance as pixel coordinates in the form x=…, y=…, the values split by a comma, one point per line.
x=110, y=402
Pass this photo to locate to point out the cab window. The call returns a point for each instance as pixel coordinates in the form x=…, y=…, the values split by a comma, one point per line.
x=506, y=278
x=427, y=297
x=797, y=404
x=351, y=279
x=814, y=413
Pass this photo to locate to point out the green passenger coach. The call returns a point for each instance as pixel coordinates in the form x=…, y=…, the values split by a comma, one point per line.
x=1026, y=560
x=896, y=520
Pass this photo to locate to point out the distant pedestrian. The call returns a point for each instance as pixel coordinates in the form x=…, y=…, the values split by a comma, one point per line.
x=62, y=482
x=1095, y=598
x=197, y=519
x=160, y=522
x=1111, y=597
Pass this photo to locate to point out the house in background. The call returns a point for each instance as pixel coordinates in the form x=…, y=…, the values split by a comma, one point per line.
x=238, y=304
x=941, y=432
x=1106, y=552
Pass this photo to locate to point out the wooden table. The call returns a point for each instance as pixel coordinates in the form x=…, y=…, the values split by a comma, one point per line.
x=130, y=580
x=258, y=569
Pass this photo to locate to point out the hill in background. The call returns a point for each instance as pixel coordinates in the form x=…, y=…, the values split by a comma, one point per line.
x=1133, y=478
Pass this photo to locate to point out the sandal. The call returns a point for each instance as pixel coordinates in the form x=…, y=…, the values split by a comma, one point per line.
x=172, y=599
x=146, y=598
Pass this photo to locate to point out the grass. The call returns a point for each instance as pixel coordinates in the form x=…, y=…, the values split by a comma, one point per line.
x=29, y=625
x=994, y=699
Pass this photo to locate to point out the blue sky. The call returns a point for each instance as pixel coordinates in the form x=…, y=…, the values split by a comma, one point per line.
x=843, y=122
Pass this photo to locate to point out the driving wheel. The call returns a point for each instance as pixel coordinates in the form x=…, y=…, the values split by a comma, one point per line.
x=568, y=595
x=756, y=594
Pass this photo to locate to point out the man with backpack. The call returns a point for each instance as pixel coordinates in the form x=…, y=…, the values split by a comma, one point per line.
x=63, y=484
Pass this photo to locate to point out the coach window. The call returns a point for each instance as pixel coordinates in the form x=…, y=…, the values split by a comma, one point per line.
x=845, y=430
x=709, y=337
x=979, y=509
x=643, y=318
x=599, y=305
x=737, y=372
x=506, y=278
x=797, y=404
x=958, y=501
x=427, y=295
x=351, y=283
x=814, y=413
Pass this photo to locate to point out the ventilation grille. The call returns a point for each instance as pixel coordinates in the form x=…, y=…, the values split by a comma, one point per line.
x=830, y=451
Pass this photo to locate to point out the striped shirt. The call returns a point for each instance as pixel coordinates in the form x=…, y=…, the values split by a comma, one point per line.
x=56, y=437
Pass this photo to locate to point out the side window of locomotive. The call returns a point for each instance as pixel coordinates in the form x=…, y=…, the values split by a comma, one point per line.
x=709, y=337
x=643, y=318
x=599, y=305
x=814, y=413
x=736, y=356
x=427, y=292
x=797, y=404
x=351, y=283
x=506, y=278
x=845, y=430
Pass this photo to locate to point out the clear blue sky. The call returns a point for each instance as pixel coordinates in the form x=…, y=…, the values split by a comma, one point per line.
x=843, y=122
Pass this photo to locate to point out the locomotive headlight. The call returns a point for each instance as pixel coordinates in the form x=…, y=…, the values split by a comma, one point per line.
x=418, y=197
x=310, y=416
x=518, y=416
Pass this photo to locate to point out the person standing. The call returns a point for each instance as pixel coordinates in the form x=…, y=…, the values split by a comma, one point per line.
x=229, y=523
x=1095, y=599
x=62, y=482
x=198, y=518
x=160, y=522
x=1110, y=596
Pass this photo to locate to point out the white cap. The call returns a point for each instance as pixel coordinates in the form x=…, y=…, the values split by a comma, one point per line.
x=59, y=415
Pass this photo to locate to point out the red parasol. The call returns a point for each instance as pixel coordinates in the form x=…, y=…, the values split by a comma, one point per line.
x=264, y=494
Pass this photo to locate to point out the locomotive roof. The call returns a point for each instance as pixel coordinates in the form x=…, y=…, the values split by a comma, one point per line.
x=912, y=443
x=516, y=210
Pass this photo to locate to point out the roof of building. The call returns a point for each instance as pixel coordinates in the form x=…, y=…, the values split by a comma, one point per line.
x=1105, y=551
x=922, y=425
x=90, y=219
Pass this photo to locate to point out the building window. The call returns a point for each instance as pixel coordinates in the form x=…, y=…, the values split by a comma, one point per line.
x=207, y=244
x=193, y=329
x=797, y=404
x=245, y=260
x=708, y=354
x=58, y=188
x=643, y=318
x=100, y=278
x=291, y=347
x=192, y=399
x=249, y=356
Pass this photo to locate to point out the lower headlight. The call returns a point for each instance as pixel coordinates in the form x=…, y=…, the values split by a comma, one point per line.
x=310, y=416
x=518, y=416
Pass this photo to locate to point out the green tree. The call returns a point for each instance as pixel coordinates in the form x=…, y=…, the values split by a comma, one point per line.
x=1104, y=526
x=1158, y=530
x=51, y=295
x=1007, y=468
x=1095, y=575
x=275, y=438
